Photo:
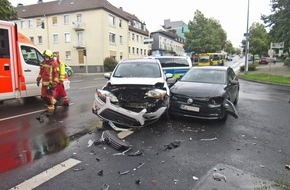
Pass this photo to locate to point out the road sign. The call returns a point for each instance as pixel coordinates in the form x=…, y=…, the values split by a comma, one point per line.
x=271, y=53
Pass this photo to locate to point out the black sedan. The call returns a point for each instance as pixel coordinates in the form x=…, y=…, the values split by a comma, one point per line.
x=208, y=92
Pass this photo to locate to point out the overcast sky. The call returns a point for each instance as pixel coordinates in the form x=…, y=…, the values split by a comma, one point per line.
x=232, y=14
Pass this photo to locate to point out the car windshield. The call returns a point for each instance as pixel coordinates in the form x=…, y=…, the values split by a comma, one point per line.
x=138, y=69
x=205, y=76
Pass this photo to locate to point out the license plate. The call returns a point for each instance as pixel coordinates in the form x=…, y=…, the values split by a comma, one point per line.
x=189, y=108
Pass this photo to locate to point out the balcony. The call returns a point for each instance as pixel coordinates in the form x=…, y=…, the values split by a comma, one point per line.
x=79, y=45
x=78, y=26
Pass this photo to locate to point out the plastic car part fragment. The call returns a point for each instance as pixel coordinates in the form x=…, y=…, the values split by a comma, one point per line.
x=110, y=137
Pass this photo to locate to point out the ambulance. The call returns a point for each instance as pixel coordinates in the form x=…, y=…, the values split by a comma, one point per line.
x=19, y=64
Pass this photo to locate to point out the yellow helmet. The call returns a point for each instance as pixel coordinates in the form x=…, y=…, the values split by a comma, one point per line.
x=48, y=53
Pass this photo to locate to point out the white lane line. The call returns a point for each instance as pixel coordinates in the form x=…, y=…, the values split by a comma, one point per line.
x=46, y=175
x=25, y=114
x=29, y=113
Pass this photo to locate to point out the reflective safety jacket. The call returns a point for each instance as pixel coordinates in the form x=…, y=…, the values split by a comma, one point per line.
x=62, y=73
x=49, y=72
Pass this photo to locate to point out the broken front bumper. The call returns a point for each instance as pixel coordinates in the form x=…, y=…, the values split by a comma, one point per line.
x=119, y=115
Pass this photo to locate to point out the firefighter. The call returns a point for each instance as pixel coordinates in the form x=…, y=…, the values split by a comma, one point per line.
x=60, y=91
x=49, y=75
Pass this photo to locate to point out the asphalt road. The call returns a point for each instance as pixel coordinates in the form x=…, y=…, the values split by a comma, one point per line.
x=250, y=152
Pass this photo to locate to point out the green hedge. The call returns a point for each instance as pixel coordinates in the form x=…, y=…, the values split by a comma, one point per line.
x=109, y=64
x=251, y=67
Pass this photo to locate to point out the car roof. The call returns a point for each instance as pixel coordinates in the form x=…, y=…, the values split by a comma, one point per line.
x=139, y=60
x=222, y=68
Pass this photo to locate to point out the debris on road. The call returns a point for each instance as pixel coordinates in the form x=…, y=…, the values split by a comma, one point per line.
x=288, y=166
x=138, y=181
x=172, y=145
x=212, y=139
x=78, y=169
x=194, y=178
x=101, y=173
x=124, y=173
x=110, y=137
x=137, y=153
x=219, y=177
x=122, y=153
x=90, y=143
x=105, y=187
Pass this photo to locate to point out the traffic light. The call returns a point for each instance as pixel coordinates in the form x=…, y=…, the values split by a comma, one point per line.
x=42, y=25
x=85, y=52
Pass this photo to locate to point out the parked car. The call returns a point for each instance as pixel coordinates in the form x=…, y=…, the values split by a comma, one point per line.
x=135, y=95
x=229, y=58
x=208, y=92
x=68, y=70
x=264, y=60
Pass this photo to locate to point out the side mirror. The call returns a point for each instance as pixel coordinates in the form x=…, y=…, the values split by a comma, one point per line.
x=169, y=75
x=107, y=75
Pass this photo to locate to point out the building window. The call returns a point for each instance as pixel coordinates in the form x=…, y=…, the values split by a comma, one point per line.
x=137, y=51
x=133, y=50
x=129, y=50
x=145, y=52
x=79, y=18
x=30, y=23
x=137, y=38
x=22, y=24
x=112, y=21
x=66, y=37
x=121, y=39
x=141, y=51
x=55, y=38
x=39, y=39
x=31, y=38
x=81, y=39
x=67, y=55
x=133, y=36
x=54, y=20
x=66, y=19
x=120, y=23
x=38, y=23
x=112, y=38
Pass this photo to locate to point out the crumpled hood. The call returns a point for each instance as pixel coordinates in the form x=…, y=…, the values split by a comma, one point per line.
x=204, y=89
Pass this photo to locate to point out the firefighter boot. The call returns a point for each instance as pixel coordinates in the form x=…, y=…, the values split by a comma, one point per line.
x=65, y=101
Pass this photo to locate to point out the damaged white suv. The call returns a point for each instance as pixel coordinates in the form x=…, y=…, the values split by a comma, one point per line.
x=135, y=95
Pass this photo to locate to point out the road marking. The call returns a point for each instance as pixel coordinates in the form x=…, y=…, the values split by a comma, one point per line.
x=47, y=175
x=29, y=113
x=25, y=114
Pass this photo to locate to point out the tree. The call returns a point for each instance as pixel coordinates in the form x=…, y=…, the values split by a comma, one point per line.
x=259, y=42
x=229, y=47
x=205, y=35
x=7, y=11
x=279, y=22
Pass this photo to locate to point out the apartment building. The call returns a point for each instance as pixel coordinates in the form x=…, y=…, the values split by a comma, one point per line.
x=72, y=26
x=166, y=43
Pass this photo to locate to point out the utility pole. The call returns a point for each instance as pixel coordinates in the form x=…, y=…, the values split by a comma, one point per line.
x=247, y=41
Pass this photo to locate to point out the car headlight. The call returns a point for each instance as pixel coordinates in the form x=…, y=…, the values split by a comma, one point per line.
x=156, y=93
x=104, y=93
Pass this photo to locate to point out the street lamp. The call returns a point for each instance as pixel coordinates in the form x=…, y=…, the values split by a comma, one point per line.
x=247, y=40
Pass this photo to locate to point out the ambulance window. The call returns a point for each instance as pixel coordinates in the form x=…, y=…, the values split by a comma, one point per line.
x=4, y=44
x=31, y=56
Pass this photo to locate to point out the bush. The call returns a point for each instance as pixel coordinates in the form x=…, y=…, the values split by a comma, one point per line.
x=251, y=67
x=109, y=64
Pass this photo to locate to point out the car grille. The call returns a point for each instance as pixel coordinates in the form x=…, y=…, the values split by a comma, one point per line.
x=119, y=118
x=183, y=99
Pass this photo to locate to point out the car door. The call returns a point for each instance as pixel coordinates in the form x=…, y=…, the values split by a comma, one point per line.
x=31, y=59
